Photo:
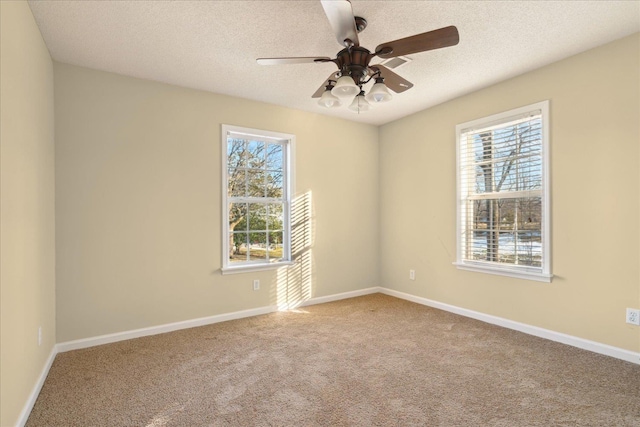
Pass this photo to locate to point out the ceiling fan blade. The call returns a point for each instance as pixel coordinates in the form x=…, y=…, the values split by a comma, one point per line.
x=340, y=15
x=392, y=80
x=436, y=39
x=322, y=88
x=294, y=60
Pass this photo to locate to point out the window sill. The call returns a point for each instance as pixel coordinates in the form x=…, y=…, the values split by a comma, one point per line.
x=520, y=274
x=248, y=268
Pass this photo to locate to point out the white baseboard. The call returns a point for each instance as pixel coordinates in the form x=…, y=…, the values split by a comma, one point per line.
x=160, y=329
x=33, y=396
x=343, y=295
x=169, y=327
x=596, y=347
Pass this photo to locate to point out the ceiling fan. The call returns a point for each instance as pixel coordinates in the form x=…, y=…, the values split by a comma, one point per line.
x=354, y=70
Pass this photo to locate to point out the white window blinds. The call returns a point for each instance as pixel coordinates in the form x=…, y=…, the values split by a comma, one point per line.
x=502, y=201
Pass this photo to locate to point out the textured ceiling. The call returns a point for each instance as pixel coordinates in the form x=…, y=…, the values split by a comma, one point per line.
x=213, y=45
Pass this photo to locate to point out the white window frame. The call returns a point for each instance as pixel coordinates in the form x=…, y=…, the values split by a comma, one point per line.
x=542, y=274
x=288, y=141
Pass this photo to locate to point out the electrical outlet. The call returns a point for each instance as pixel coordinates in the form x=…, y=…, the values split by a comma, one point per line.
x=39, y=336
x=412, y=275
x=256, y=285
x=633, y=316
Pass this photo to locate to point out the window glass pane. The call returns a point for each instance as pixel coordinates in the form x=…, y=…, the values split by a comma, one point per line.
x=507, y=159
x=506, y=249
x=507, y=230
x=507, y=214
x=235, y=152
x=255, y=183
x=478, y=247
x=529, y=248
x=274, y=184
x=275, y=216
x=257, y=246
x=237, y=216
x=275, y=245
x=530, y=175
x=236, y=181
x=239, y=248
x=530, y=213
x=482, y=147
x=257, y=217
x=481, y=214
x=255, y=154
x=274, y=157
x=483, y=180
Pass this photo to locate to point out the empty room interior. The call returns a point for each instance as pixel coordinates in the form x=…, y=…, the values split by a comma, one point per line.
x=199, y=227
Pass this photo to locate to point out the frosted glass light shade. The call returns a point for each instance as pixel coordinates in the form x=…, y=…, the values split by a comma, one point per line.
x=378, y=93
x=360, y=104
x=328, y=100
x=345, y=88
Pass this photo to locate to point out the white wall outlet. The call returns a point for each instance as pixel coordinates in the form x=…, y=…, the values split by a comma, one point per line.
x=412, y=275
x=39, y=336
x=633, y=316
x=256, y=285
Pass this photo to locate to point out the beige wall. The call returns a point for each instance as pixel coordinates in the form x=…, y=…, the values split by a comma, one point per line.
x=27, y=225
x=138, y=204
x=595, y=141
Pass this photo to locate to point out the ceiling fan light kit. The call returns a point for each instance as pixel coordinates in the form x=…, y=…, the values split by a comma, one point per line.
x=379, y=92
x=354, y=71
x=328, y=99
x=345, y=88
x=360, y=104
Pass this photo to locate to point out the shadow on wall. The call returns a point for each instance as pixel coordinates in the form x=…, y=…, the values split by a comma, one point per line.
x=294, y=283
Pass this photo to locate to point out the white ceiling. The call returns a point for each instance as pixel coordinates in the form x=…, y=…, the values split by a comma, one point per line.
x=213, y=45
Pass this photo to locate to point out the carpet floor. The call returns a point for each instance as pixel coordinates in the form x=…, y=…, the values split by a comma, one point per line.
x=367, y=361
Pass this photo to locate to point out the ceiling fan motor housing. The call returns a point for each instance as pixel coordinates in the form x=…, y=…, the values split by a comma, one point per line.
x=354, y=62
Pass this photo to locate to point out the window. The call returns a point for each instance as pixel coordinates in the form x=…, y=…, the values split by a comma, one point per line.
x=503, y=194
x=257, y=183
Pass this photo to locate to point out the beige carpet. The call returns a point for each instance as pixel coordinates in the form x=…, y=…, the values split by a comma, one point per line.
x=368, y=361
